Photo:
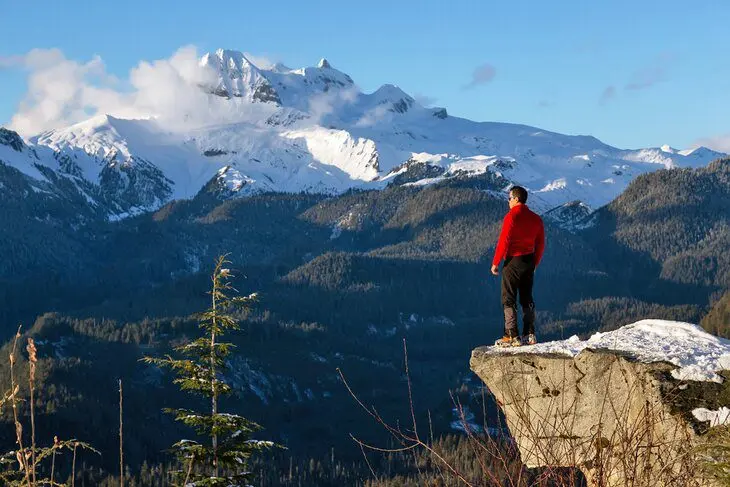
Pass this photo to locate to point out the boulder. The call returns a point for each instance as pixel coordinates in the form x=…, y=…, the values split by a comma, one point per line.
x=616, y=409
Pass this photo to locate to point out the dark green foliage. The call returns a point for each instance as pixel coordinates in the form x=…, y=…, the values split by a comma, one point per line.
x=342, y=281
x=485, y=462
x=717, y=320
x=28, y=462
x=223, y=462
x=605, y=314
x=677, y=218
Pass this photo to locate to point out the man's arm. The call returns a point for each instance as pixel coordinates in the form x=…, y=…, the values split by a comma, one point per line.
x=503, y=242
x=539, y=244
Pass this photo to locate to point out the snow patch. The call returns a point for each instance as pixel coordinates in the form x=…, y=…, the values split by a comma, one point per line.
x=559, y=183
x=464, y=421
x=426, y=181
x=716, y=418
x=697, y=354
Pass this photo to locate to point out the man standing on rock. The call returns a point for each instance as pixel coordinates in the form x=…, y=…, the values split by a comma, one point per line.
x=521, y=245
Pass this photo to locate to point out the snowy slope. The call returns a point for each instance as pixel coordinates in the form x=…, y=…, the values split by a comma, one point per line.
x=697, y=354
x=311, y=129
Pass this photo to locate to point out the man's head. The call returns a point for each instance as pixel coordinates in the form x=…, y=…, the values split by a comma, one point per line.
x=517, y=195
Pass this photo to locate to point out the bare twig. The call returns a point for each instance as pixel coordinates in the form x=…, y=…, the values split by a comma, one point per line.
x=22, y=456
x=410, y=440
x=73, y=467
x=32, y=360
x=53, y=457
x=121, y=437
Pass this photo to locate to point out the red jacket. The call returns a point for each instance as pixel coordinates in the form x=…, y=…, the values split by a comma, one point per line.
x=522, y=233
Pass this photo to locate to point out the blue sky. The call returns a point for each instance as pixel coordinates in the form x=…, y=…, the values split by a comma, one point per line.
x=632, y=73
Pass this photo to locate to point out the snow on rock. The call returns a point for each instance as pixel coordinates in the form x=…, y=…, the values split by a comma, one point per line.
x=237, y=77
x=11, y=139
x=15, y=153
x=357, y=158
x=716, y=418
x=233, y=180
x=662, y=156
x=701, y=153
x=572, y=216
x=697, y=354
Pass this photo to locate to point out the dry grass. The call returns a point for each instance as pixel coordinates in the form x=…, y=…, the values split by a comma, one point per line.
x=21, y=466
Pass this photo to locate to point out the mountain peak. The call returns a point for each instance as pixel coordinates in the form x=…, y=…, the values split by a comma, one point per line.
x=391, y=92
x=231, y=55
x=323, y=63
x=279, y=67
x=701, y=151
x=97, y=124
x=11, y=139
x=237, y=77
x=399, y=100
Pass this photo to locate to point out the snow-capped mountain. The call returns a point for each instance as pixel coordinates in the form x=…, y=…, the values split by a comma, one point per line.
x=312, y=129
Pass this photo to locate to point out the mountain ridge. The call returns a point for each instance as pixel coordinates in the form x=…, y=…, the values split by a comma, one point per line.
x=311, y=129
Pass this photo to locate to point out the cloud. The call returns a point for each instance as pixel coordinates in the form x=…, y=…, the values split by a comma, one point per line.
x=649, y=75
x=328, y=102
x=482, y=74
x=719, y=143
x=61, y=92
x=169, y=89
x=424, y=100
x=608, y=94
x=375, y=115
x=261, y=62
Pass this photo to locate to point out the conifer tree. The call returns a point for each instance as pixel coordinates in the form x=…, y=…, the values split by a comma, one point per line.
x=221, y=460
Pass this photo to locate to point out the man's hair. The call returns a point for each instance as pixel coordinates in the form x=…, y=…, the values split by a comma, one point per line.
x=520, y=193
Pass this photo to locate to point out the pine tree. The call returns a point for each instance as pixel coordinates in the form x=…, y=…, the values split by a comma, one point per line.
x=223, y=461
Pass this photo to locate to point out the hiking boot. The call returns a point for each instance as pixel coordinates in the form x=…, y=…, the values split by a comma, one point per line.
x=528, y=320
x=510, y=321
x=530, y=339
x=507, y=341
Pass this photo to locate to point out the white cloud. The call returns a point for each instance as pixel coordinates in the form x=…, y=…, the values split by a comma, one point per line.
x=328, y=102
x=61, y=92
x=424, y=100
x=261, y=62
x=375, y=115
x=169, y=88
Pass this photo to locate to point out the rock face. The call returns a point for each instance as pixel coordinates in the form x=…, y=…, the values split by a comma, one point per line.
x=619, y=420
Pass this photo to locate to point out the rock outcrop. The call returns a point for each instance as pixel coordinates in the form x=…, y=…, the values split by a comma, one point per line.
x=618, y=418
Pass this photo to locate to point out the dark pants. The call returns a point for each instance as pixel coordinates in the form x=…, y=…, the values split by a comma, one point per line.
x=517, y=277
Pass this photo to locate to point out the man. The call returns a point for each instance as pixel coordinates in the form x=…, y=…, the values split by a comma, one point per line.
x=521, y=245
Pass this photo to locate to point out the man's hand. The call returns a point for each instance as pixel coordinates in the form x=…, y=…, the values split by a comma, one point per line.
x=495, y=270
